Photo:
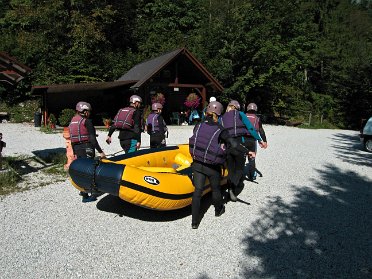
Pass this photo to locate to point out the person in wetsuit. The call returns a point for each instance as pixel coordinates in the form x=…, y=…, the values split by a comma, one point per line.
x=128, y=121
x=208, y=153
x=156, y=127
x=257, y=124
x=238, y=126
x=83, y=139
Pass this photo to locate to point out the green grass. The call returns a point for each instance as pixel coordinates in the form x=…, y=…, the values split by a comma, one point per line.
x=8, y=182
x=14, y=177
x=318, y=125
x=48, y=130
x=9, y=178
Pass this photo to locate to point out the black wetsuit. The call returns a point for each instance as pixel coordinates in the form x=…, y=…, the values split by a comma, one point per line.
x=87, y=149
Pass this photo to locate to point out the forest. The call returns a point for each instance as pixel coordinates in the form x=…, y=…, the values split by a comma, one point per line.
x=291, y=57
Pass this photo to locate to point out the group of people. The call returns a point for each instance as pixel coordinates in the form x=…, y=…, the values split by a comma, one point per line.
x=219, y=140
x=222, y=139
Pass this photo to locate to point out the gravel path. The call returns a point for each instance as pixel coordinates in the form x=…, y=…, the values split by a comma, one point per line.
x=309, y=216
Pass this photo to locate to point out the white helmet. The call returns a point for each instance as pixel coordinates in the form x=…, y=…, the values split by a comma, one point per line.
x=215, y=107
x=252, y=106
x=81, y=106
x=156, y=106
x=235, y=104
x=135, y=98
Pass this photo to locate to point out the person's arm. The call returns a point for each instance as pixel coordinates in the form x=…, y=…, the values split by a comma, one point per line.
x=137, y=125
x=111, y=131
x=232, y=143
x=162, y=126
x=262, y=134
x=137, y=118
x=92, y=137
x=249, y=126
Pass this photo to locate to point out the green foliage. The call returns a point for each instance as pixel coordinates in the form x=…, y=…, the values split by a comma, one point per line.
x=65, y=117
x=8, y=179
x=290, y=57
x=21, y=112
x=48, y=130
x=52, y=119
x=165, y=25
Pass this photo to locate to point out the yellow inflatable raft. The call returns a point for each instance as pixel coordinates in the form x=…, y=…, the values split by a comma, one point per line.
x=159, y=179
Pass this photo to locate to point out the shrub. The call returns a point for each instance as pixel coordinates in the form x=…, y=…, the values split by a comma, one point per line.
x=22, y=112
x=64, y=118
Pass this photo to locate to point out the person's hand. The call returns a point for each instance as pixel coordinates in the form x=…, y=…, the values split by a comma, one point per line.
x=102, y=155
x=138, y=145
x=251, y=155
x=108, y=140
x=262, y=144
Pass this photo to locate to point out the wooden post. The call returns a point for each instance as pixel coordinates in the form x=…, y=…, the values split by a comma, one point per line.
x=203, y=94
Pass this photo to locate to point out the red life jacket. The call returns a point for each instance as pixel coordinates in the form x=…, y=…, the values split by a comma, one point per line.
x=78, y=131
x=124, y=118
x=254, y=119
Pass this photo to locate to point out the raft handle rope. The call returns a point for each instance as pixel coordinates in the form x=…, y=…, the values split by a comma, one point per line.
x=142, y=147
x=112, y=154
x=93, y=186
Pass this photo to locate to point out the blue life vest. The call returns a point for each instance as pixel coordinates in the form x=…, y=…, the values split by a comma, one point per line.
x=204, y=144
x=153, y=120
x=233, y=124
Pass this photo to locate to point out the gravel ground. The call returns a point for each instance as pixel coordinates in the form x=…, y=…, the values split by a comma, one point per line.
x=309, y=216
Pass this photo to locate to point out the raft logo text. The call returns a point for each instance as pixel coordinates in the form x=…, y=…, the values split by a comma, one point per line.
x=151, y=180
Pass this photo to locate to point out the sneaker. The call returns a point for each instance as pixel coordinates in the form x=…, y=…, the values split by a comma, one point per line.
x=83, y=194
x=89, y=199
x=232, y=195
x=194, y=226
x=254, y=176
x=219, y=212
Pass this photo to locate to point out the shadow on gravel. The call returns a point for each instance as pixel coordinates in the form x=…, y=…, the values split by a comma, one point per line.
x=113, y=204
x=325, y=232
x=349, y=149
x=47, y=155
x=23, y=165
x=122, y=208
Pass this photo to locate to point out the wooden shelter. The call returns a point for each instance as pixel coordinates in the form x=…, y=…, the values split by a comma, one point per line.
x=175, y=74
x=11, y=70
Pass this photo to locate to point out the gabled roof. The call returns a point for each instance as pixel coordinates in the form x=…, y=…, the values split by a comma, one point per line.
x=11, y=71
x=79, y=87
x=146, y=70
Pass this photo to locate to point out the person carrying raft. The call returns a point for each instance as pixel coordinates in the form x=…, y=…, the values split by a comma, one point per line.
x=238, y=126
x=207, y=150
x=257, y=124
x=83, y=139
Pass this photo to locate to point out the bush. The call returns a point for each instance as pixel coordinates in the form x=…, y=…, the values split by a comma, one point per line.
x=22, y=112
x=65, y=117
x=52, y=120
